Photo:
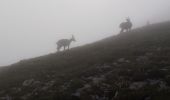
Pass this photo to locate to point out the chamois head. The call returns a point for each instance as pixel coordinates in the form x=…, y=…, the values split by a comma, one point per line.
x=128, y=19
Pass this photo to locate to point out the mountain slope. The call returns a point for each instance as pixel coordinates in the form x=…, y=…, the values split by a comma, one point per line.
x=133, y=66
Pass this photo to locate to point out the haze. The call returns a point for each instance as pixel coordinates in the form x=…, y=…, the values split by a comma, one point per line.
x=30, y=28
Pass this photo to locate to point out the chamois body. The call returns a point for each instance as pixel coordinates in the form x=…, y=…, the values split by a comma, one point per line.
x=126, y=25
x=64, y=43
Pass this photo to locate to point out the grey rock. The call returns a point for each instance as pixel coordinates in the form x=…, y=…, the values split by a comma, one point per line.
x=137, y=85
x=28, y=82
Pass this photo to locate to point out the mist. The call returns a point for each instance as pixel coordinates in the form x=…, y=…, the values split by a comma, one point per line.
x=31, y=28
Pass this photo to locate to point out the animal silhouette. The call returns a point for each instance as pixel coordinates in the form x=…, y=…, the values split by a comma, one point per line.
x=126, y=25
x=64, y=43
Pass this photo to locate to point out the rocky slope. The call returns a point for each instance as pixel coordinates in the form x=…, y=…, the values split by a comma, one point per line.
x=130, y=66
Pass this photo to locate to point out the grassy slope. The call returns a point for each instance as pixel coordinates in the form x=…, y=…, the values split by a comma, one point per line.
x=71, y=64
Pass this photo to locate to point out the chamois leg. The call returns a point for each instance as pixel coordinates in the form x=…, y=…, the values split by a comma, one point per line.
x=68, y=47
x=121, y=31
x=127, y=30
x=58, y=48
x=64, y=47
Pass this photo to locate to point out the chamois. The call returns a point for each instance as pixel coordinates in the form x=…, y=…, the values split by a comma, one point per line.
x=64, y=43
x=126, y=25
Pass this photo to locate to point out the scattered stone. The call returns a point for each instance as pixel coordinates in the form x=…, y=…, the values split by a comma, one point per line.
x=48, y=85
x=66, y=85
x=121, y=60
x=106, y=66
x=7, y=97
x=86, y=86
x=168, y=76
x=28, y=82
x=127, y=61
x=116, y=94
x=153, y=82
x=142, y=59
x=147, y=98
x=158, y=49
x=97, y=80
x=149, y=54
x=16, y=90
x=76, y=94
x=1, y=92
x=36, y=83
x=164, y=69
x=137, y=85
x=115, y=64
x=162, y=85
x=26, y=96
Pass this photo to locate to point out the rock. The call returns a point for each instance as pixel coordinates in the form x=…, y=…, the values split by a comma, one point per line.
x=162, y=85
x=2, y=92
x=153, y=82
x=28, y=82
x=142, y=59
x=36, y=83
x=48, y=85
x=137, y=85
x=106, y=66
x=66, y=85
x=77, y=94
x=147, y=98
x=97, y=80
x=149, y=54
x=115, y=64
x=86, y=86
x=121, y=60
x=7, y=97
x=74, y=97
x=80, y=90
x=168, y=76
x=164, y=69
x=116, y=94
x=127, y=61
x=16, y=90
x=26, y=96
x=97, y=97
x=158, y=49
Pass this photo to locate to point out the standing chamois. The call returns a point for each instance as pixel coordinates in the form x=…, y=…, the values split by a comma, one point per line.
x=126, y=25
x=64, y=43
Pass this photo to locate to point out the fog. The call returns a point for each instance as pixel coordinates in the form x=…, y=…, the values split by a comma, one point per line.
x=31, y=28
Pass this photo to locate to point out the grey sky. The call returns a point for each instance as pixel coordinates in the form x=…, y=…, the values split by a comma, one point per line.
x=30, y=28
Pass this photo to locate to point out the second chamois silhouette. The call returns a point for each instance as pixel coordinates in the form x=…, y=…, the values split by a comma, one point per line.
x=126, y=25
x=65, y=43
